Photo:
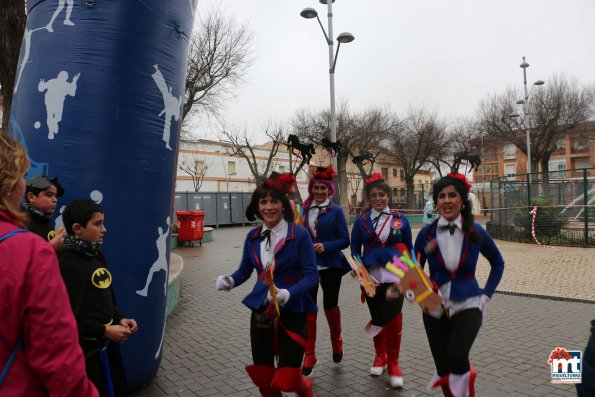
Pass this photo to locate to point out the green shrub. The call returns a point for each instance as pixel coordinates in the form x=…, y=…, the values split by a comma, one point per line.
x=547, y=222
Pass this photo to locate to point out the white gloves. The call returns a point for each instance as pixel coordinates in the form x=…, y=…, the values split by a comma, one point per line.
x=483, y=303
x=282, y=296
x=224, y=283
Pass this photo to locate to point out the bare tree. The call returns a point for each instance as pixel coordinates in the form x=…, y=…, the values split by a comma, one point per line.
x=459, y=137
x=413, y=142
x=218, y=58
x=358, y=133
x=196, y=171
x=12, y=27
x=241, y=146
x=552, y=110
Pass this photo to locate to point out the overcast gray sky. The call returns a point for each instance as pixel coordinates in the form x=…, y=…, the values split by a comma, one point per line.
x=443, y=54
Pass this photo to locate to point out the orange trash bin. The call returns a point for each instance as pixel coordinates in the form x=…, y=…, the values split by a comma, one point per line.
x=191, y=226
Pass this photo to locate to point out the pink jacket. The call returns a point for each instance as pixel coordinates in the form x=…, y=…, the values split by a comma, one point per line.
x=33, y=299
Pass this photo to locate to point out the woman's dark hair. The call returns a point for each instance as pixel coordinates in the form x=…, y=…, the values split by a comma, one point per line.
x=467, y=216
x=261, y=192
x=382, y=185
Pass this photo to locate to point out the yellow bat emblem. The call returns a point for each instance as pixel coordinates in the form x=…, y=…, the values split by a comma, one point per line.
x=101, y=278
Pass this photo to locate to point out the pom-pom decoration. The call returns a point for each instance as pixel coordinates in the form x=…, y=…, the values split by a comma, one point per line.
x=327, y=173
x=281, y=182
x=375, y=177
x=461, y=178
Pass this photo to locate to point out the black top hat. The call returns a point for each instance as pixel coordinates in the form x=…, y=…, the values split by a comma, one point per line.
x=42, y=182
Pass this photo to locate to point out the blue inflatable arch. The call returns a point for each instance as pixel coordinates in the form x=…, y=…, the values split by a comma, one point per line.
x=98, y=102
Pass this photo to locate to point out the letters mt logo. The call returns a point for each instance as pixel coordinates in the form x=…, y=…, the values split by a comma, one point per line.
x=566, y=365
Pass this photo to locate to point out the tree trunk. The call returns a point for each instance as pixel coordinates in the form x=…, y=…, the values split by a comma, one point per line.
x=341, y=179
x=13, y=19
x=410, y=192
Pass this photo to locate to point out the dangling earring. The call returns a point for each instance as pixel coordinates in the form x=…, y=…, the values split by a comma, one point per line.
x=463, y=207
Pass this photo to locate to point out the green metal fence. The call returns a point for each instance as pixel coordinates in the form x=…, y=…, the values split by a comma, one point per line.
x=564, y=202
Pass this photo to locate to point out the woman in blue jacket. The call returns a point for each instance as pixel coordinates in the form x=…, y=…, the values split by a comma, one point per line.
x=451, y=245
x=382, y=233
x=285, y=251
x=327, y=226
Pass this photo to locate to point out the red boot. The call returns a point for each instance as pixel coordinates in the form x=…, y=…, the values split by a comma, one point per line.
x=380, y=359
x=394, y=330
x=472, y=376
x=262, y=376
x=289, y=379
x=441, y=381
x=333, y=316
x=309, y=352
x=463, y=385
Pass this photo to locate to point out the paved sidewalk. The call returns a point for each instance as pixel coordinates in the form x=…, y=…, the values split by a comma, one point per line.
x=207, y=343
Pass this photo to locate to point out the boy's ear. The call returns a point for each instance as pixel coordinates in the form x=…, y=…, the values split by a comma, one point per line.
x=76, y=228
x=30, y=196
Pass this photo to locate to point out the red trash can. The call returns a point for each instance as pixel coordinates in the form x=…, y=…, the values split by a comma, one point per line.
x=190, y=225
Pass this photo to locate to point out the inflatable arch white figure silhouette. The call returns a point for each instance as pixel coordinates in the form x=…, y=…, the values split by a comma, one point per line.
x=160, y=263
x=59, y=9
x=172, y=106
x=56, y=91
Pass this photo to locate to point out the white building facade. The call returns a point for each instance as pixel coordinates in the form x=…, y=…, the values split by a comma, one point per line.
x=210, y=166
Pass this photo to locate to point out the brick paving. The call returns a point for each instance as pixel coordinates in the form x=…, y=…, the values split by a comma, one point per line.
x=207, y=339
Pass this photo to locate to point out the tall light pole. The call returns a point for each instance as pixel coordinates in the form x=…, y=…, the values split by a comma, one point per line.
x=345, y=37
x=524, y=65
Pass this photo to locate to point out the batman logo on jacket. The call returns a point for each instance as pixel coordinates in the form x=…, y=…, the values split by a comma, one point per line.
x=101, y=278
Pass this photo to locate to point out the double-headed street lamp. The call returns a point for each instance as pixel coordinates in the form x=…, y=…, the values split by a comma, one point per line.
x=524, y=102
x=345, y=37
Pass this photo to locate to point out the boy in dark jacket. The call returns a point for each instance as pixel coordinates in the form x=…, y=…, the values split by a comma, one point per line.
x=41, y=198
x=88, y=281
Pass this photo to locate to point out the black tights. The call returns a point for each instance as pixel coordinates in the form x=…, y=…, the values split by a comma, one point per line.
x=330, y=281
x=290, y=352
x=451, y=340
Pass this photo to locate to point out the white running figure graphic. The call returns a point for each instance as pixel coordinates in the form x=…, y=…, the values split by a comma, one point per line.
x=56, y=91
x=171, y=105
x=160, y=263
x=59, y=9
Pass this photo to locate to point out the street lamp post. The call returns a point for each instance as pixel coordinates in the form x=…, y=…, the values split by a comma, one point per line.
x=345, y=37
x=524, y=65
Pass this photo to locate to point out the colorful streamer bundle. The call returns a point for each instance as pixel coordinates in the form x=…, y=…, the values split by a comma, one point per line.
x=365, y=279
x=298, y=213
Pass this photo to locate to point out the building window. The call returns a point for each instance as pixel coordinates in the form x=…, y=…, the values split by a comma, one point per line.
x=557, y=168
x=402, y=173
x=199, y=166
x=385, y=172
x=561, y=144
x=509, y=170
x=581, y=163
x=581, y=144
x=231, y=167
x=509, y=151
x=395, y=173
